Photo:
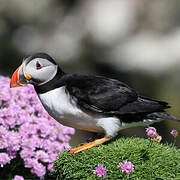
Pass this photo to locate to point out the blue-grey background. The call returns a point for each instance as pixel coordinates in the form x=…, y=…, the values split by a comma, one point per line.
x=137, y=42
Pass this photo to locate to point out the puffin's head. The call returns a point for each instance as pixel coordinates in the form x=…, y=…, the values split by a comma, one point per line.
x=36, y=69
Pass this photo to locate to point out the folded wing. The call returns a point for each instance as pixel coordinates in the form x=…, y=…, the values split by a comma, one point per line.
x=100, y=94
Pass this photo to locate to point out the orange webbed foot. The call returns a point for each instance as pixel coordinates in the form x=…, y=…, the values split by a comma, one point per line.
x=97, y=142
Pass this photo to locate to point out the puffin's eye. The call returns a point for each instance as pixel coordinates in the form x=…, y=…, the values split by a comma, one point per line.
x=38, y=65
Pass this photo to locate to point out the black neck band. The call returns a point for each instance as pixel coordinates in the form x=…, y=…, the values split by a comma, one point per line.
x=52, y=84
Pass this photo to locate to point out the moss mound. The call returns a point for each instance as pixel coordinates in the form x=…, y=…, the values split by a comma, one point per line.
x=157, y=161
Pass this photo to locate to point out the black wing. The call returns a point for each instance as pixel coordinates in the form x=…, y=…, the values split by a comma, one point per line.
x=105, y=95
x=99, y=93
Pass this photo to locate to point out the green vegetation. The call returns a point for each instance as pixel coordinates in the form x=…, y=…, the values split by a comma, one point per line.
x=151, y=161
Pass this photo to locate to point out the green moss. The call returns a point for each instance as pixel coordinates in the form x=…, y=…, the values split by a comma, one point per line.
x=158, y=161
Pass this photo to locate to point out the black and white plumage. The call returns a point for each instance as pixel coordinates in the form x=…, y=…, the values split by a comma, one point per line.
x=87, y=102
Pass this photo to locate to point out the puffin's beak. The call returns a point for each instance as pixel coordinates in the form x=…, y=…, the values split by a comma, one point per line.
x=19, y=77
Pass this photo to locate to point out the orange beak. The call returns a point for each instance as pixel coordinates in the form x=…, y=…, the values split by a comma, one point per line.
x=15, y=78
x=19, y=77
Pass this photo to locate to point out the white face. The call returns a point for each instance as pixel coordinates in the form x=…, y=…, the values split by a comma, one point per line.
x=41, y=70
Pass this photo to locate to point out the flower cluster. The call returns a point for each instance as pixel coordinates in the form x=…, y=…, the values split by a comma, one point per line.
x=27, y=129
x=126, y=167
x=174, y=133
x=152, y=133
x=100, y=171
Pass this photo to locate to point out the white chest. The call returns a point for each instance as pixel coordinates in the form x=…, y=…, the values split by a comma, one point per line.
x=64, y=109
x=58, y=103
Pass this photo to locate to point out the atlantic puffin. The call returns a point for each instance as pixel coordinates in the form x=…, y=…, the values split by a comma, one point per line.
x=87, y=102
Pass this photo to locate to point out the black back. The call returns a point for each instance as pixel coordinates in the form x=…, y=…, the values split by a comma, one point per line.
x=110, y=97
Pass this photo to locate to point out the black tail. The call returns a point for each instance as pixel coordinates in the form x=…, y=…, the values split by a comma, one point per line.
x=163, y=115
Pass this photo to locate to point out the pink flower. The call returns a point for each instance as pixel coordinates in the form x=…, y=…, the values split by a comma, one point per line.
x=126, y=167
x=151, y=132
x=38, y=169
x=42, y=156
x=100, y=171
x=11, y=153
x=4, y=159
x=27, y=153
x=16, y=177
x=50, y=167
x=174, y=133
x=13, y=139
x=29, y=162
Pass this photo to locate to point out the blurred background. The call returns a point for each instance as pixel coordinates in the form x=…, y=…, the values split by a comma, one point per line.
x=137, y=42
